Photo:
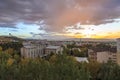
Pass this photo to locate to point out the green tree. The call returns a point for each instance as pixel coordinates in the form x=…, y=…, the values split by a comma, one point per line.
x=109, y=71
x=1, y=49
x=93, y=68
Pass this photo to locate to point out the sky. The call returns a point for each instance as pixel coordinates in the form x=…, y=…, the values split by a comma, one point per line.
x=60, y=19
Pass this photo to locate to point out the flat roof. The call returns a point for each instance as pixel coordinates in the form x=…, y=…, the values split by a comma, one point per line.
x=52, y=47
x=82, y=59
x=29, y=46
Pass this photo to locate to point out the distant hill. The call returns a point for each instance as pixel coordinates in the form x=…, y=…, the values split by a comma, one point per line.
x=88, y=39
x=10, y=38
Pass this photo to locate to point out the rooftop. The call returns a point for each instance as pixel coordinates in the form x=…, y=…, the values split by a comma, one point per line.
x=52, y=47
x=29, y=46
x=82, y=59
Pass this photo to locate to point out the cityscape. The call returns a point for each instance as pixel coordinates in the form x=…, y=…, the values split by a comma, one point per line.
x=59, y=40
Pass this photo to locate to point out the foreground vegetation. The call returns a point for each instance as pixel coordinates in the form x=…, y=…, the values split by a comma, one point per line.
x=53, y=67
x=58, y=67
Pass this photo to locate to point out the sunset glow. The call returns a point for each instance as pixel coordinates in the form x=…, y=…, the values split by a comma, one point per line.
x=60, y=19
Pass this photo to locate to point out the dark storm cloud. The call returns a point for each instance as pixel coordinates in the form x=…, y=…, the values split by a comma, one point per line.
x=7, y=25
x=58, y=13
x=13, y=30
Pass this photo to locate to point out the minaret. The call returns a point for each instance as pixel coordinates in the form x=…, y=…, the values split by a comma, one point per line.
x=118, y=50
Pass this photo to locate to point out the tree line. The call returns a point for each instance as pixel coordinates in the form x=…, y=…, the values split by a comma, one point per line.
x=13, y=46
x=53, y=67
x=57, y=67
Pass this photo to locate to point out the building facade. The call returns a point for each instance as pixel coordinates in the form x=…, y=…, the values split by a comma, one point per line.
x=53, y=49
x=105, y=56
x=118, y=51
x=38, y=49
x=102, y=57
x=32, y=50
x=92, y=55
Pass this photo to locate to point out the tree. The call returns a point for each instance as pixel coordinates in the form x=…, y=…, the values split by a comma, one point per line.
x=9, y=51
x=93, y=68
x=0, y=48
x=109, y=71
x=10, y=61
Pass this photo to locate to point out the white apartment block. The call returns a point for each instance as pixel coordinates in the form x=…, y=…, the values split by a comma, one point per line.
x=92, y=55
x=118, y=45
x=38, y=49
x=104, y=57
x=32, y=50
x=118, y=51
x=53, y=49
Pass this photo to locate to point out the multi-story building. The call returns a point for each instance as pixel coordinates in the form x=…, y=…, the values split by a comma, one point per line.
x=118, y=45
x=92, y=55
x=38, y=49
x=118, y=51
x=32, y=49
x=103, y=56
x=53, y=49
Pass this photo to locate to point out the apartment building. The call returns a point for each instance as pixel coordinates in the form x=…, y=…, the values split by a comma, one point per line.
x=92, y=55
x=32, y=49
x=103, y=56
x=35, y=49
x=118, y=51
x=53, y=49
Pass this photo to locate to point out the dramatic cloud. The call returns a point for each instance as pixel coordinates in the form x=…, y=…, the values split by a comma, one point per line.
x=55, y=15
